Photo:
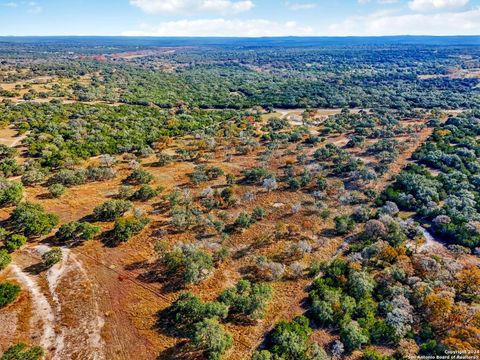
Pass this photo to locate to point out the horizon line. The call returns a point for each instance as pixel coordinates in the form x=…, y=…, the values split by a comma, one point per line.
x=239, y=37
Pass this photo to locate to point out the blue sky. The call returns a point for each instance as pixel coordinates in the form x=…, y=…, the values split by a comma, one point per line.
x=240, y=17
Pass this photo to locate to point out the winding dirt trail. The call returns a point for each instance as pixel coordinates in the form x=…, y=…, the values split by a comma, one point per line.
x=44, y=316
x=67, y=317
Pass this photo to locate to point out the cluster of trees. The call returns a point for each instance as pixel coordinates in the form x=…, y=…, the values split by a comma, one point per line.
x=76, y=232
x=188, y=262
x=32, y=220
x=112, y=210
x=69, y=177
x=383, y=294
x=279, y=75
x=10, y=192
x=343, y=298
x=203, y=173
x=127, y=227
x=450, y=200
x=62, y=134
x=8, y=164
x=291, y=340
x=375, y=301
x=201, y=321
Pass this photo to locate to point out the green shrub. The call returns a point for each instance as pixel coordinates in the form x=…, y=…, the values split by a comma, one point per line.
x=360, y=284
x=8, y=293
x=262, y=355
x=100, y=173
x=227, y=195
x=22, y=352
x=75, y=231
x=371, y=354
x=52, y=257
x=321, y=183
x=33, y=177
x=112, y=209
x=125, y=192
x=344, y=224
x=256, y=174
x=5, y=259
x=322, y=312
x=247, y=299
x=290, y=340
x=14, y=242
x=33, y=220
x=192, y=263
x=243, y=220
x=352, y=335
x=382, y=333
x=10, y=167
x=188, y=309
x=56, y=190
x=10, y=192
x=126, y=228
x=214, y=172
x=139, y=177
x=258, y=214
x=294, y=184
x=145, y=192
x=210, y=337
x=68, y=177
x=7, y=152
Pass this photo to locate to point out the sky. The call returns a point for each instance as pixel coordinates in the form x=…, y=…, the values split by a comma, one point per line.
x=242, y=18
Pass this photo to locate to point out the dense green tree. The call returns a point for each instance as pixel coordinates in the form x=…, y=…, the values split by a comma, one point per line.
x=112, y=209
x=10, y=192
x=15, y=241
x=290, y=339
x=126, y=227
x=352, y=335
x=56, y=190
x=22, y=352
x=191, y=263
x=8, y=293
x=139, y=177
x=247, y=299
x=75, y=232
x=33, y=220
x=5, y=259
x=188, y=309
x=343, y=224
x=210, y=337
x=52, y=257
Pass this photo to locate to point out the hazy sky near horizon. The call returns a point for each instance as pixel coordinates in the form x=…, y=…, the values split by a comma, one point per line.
x=240, y=17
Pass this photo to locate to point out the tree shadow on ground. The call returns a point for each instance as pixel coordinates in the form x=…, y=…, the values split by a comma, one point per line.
x=179, y=351
x=36, y=269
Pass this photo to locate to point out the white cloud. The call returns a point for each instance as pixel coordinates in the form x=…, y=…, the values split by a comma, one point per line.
x=436, y=5
x=391, y=23
x=11, y=4
x=192, y=6
x=223, y=27
x=363, y=2
x=34, y=8
x=300, y=6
